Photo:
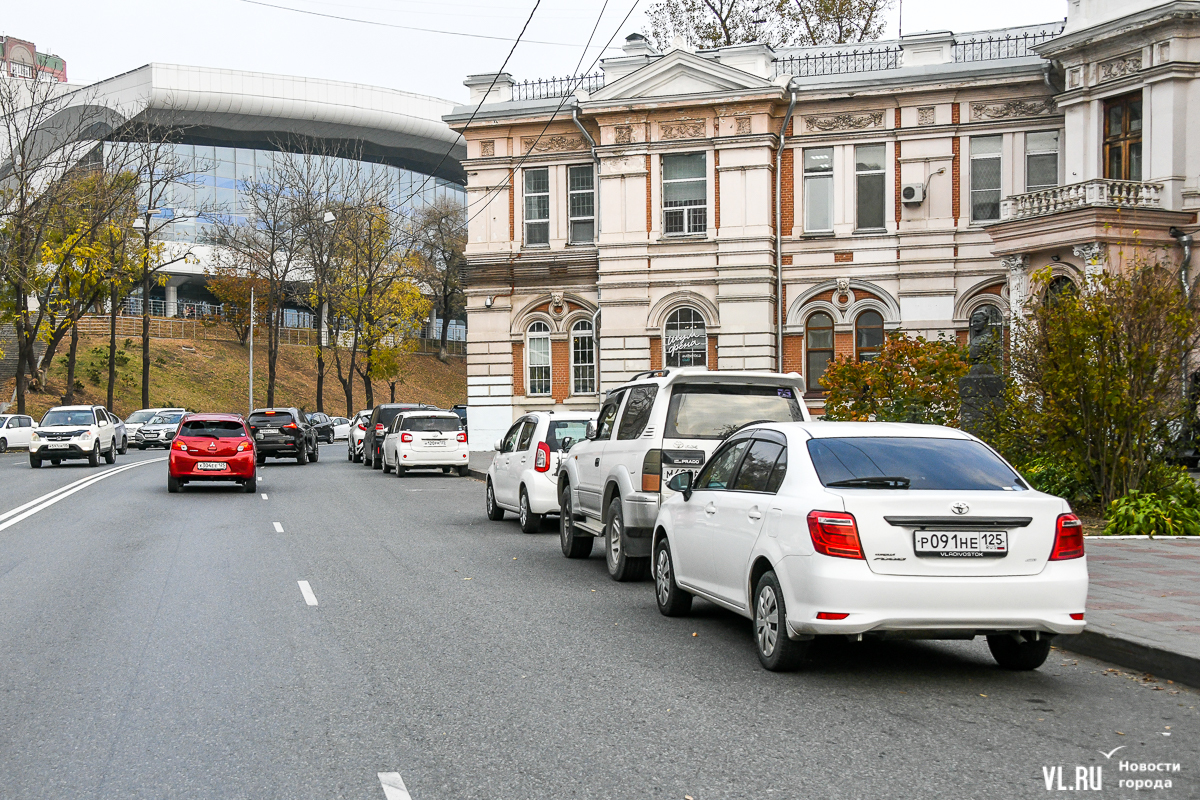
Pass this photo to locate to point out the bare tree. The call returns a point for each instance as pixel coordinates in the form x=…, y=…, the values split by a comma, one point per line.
x=837, y=21
x=719, y=23
x=441, y=238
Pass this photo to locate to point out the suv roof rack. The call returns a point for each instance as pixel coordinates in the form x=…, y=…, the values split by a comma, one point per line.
x=652, y=373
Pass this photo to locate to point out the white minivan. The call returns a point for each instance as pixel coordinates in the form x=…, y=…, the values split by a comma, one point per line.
x=523, y=476
x=426, y=439
x=15, y=431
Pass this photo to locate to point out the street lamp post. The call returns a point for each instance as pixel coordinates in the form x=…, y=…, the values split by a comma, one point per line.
x=142, y=223
x=251, y=409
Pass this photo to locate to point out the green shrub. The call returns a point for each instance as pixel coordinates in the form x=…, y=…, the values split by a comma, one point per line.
x=1058, y=477
x=1151, y=514
x=1170, y=480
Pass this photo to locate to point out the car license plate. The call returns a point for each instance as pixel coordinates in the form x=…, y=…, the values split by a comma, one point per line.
x=435, y=442
x=961, y=544
x=58, y=446
x=268, y=431
x=211, y=465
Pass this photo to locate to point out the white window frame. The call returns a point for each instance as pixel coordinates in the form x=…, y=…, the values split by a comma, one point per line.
x=1056, y=152
x=999, y=189
x=861, y=173
x=810, y=179
x=571, y=195
x=694, y=218
x=540, y=331
x=583, y=374
x=527, y=196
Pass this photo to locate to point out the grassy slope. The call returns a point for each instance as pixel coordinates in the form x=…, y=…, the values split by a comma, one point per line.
x=214, y=378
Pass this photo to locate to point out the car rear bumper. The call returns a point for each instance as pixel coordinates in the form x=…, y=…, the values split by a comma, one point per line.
x=183, y=466
x=542, y=488
x=916, y=604
x=279, y=448
x=434, y=458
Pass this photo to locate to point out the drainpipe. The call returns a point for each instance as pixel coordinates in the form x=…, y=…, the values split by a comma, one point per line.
x=596, y=210
x=779, y=237
x=596, y=350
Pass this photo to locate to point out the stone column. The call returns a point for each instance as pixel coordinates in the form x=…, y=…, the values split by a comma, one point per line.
x=1094, y=256
x=172, y=300
x=1017, y=268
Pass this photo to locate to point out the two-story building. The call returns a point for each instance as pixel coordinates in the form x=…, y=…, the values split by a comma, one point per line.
x=746, y=208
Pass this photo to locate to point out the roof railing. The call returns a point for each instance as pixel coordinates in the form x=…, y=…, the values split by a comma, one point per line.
x=995, y=48
x=870, y=59
x=542, y=88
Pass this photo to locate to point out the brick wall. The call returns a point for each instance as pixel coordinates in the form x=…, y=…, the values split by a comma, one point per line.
x=512, y=207
x=560, y=370
x=518, y=358
x=793, y=353
x=656, y=354
x=712, y=352
x=717, y=189
x=897, y=180
x=787, y=183
x=843, y=344
x=955, y=169
x=648, y=225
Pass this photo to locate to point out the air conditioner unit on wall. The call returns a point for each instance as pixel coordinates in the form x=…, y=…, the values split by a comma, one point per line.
x=912, y=193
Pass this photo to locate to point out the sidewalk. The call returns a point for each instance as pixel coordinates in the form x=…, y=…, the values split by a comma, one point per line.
x=1143, y=608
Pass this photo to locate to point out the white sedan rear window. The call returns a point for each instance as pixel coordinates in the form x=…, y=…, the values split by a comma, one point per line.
x=900, y=462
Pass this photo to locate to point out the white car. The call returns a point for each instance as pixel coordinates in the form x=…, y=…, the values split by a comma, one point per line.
x=73, y=432
x=16, y=430
x=523, y=476
x=358, y=430
x=426, y=440
x=341, y=428
x=137, y=419
x=872, y=530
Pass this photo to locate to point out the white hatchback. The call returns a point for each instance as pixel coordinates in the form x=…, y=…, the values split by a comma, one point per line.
x=872, y=529
x=426, y=439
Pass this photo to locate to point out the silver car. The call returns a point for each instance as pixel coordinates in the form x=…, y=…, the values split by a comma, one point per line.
x=159, y=431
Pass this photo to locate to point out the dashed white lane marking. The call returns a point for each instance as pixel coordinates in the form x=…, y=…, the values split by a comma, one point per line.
x=50, y=498
x=278, y=527
x=260, y=477
x=309, y=597
x=264, y=496
x=393, y=786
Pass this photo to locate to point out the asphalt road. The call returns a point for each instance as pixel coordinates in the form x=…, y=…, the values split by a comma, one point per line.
x=160, y=646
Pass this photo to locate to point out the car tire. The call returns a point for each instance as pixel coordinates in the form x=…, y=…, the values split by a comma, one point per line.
x=34, y=462
x=574, y=544
x=250, y=485
x=173, y=485
x=110, y=455
x=377, y=460
x=3, y=445
x=316, y=454
x=386, y=466
x=530, y=522
x=1019, y=656
x=349, y=455
x=464, y=471
x=445, y=470
x=302, y=456
x=400, y=472
x=94, y=456
x=124, y=448
x=672, y=601
x=776, y=651
x=356, y=456
x=494, y=512
x=54, y=462
x=260, y=460
x=620, y=566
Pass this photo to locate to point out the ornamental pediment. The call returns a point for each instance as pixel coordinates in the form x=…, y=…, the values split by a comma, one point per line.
x=680, y=73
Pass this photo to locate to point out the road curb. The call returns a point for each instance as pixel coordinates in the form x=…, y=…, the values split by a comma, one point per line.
x=477, y=474
x=1133, y=655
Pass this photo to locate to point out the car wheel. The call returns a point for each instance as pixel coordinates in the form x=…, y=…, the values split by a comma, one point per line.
x=54, y=462
x=672, y=601
x=34, y=462
x=464, y=471
x=349, y=455
x=356, y=456
x=124, y=448
x=173, y=484
x=260, y=460
x=302, y=456
x=94, y=456
x=494, y=512
x=3, y=445
x=110, y=455
x=620, y=566
x=250, y=485
x=445, y=470
x=530, y=522
x=400, y=471
x=377, y=460
x=386, y=466
x=1024, y=655
x=316, y=454
x=775, y=650
x=574, y=544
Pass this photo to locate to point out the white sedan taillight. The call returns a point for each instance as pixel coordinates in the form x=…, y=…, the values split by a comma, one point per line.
x=541, y=462
x=834, y=534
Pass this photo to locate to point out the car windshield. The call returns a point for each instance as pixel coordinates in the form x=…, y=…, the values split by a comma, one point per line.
x=443, y=424
x=166, y=419
x=713, y=411
x=215, y=428
x=560, y=429
x=273, y=420
x=138, y=417
x=926, y=463
x=59, y=417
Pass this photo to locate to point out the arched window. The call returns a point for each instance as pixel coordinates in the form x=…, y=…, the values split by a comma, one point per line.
x=1059, y=286
x=818, y=341
x=538, y=359
x=583, y=358
x=685, y=339
x=868, y=335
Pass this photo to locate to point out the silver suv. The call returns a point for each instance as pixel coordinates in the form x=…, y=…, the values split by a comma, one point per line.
x=654, y=427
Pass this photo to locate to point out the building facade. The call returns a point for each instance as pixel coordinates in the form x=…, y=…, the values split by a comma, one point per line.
x=742, y=208
x=21, y=60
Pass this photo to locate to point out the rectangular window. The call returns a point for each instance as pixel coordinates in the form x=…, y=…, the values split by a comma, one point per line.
x=818, y=190
x=581, y=200
x=985, y=178
x=1041, y=160
x=1123, y=138
x=539, y=365
x=537, y=206
x=685, y=194
x=869, y=185
x=583, y=361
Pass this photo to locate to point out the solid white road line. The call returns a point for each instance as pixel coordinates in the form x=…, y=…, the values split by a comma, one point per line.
x=50, y=498
x=278, y=527
x=393, y=786
x=307, y=591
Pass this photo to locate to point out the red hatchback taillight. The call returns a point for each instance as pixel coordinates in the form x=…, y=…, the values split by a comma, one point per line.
x=406, y=437
x=244, y=446
x=180, y=445
x=834, y=534
x=541, y=462
x=1068, y=538
x=462, y=436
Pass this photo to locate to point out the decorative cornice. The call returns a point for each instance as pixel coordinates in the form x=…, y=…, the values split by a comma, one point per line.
x=1016, y=263
x=684, y=129
x=552, y=144
x=1120, y=67
x=1013, y=108
x=844, y=122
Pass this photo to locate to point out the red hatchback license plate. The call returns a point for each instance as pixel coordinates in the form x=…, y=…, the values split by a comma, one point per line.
x=211, y=466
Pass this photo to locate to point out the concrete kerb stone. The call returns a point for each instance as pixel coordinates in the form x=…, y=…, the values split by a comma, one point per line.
x=1132, y=655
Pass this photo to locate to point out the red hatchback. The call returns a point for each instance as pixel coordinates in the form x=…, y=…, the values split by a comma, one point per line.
x=212, y=447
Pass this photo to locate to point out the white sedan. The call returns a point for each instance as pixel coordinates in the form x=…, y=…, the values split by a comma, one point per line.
x=874, y=530
x=16, y=430
x=341, y=428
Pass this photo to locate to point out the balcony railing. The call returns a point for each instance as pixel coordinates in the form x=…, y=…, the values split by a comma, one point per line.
x=543, y=88
x=993, y=48
x=870, y=59
x=1100, y=192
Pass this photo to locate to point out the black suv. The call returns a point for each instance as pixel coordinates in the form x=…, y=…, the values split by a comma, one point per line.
x=283, y=433
x=323, y=425
x=377, y=428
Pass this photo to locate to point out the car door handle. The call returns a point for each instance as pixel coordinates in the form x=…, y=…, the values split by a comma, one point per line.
x=710, y=509
x=597, y=462
x=754, y=514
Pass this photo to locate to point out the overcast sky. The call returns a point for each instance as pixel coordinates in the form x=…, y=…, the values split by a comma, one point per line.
x=102, y=39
